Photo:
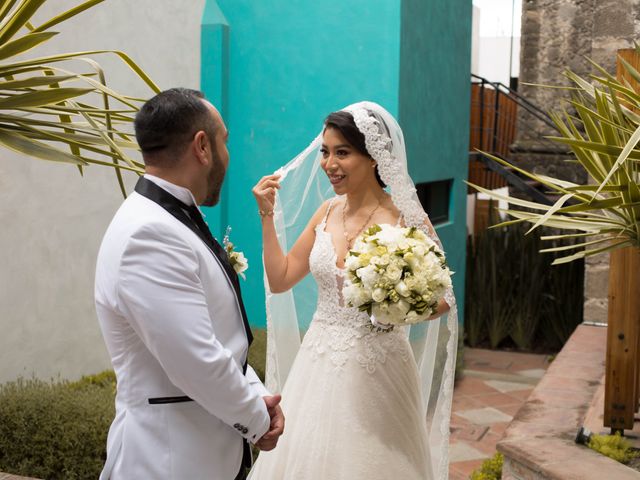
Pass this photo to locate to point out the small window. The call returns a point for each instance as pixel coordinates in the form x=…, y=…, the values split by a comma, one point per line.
x=435, y=199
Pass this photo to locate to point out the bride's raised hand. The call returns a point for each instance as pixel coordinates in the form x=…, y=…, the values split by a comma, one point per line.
x=265, y=193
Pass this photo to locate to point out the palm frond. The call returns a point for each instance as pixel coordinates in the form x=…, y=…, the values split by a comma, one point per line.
x=52, y=110
x=604, y=136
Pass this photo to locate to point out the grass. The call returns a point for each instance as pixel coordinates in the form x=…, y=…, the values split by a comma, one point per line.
x=258, y=351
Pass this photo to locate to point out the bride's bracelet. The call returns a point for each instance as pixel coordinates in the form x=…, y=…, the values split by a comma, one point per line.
x=264, y=213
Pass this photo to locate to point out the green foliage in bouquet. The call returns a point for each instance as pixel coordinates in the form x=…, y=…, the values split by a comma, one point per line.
x=490, y=469
x=613, y=446
x=55, y=430
x=59, y=107
x=601, y=125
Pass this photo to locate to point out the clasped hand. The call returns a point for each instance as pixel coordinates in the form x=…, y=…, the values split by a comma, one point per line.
x=270, y=439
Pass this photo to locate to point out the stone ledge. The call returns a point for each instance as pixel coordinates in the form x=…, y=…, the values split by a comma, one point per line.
x=539, y=442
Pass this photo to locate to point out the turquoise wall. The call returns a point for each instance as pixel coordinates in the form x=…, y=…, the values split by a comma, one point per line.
x=276, y=68
x=434, y=103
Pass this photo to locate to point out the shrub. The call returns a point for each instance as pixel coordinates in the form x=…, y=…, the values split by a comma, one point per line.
x=613, y=446
x=258, y=351
x=514, y=295
x=58, y=429
x=102, y=379
x=55, y=430
x=491, y=469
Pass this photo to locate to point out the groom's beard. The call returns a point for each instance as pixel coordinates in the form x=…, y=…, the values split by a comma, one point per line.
x=214, y=183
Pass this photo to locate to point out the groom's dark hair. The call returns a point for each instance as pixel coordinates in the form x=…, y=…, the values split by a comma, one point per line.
x=166, y=124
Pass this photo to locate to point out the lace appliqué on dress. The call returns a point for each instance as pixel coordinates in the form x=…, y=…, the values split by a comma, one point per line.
x=341, y=332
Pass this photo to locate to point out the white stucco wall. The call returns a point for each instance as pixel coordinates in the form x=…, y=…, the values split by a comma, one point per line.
x=475, y=40
x=52, y=220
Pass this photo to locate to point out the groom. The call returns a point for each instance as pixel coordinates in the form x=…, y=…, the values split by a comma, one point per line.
x=171, y=312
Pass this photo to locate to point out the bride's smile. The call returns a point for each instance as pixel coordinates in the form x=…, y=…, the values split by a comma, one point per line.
x=348, y=169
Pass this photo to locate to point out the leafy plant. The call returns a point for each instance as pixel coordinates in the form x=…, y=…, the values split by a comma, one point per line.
x=258, y=352
x=613, y=446
x=54, y=430
x=102, y=379
x=512, y=292
x=52, y=110
x=491, y=469
x=603, y=133
x=562, y=303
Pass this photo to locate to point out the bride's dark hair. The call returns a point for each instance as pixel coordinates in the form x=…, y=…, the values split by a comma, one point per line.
x=343, y=122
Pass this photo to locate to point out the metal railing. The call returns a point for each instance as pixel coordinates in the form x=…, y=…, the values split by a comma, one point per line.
x=498, y=114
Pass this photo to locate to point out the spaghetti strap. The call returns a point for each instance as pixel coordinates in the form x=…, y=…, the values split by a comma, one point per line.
x=399, y=222
x=329, y=207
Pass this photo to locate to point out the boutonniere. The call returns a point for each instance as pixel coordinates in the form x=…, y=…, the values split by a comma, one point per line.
x=237, y=259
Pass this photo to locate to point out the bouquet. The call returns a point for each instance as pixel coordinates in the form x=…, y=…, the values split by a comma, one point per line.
x=237, y=259
x=396, y=275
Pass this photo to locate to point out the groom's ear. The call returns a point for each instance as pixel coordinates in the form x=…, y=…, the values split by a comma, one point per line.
x=201, y=146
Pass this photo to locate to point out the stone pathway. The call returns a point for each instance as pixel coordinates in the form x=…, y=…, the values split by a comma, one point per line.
x=493, y=386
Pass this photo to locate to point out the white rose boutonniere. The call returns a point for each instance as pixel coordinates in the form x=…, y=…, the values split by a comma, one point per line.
x=237, y=259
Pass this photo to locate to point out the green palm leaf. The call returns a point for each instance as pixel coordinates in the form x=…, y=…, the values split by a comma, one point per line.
x=604, y=135
x=51, y=111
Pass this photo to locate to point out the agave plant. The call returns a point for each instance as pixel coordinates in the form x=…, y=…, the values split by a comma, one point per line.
x=52, y=109
x=602, y=130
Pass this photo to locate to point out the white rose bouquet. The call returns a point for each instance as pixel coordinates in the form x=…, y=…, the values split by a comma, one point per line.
x=237, y=259
x=396, y=275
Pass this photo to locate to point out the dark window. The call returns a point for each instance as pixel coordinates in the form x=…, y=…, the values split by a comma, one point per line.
x=435, y=198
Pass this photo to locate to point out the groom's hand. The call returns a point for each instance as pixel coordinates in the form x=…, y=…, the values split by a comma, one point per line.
x=270, y=439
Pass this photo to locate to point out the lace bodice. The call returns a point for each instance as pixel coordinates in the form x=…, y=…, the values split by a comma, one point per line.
x=340, y=331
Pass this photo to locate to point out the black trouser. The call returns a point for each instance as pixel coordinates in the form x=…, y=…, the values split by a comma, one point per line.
x=246, y=461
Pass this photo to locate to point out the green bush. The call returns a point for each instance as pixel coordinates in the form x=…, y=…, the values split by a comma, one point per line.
x=491, y=469
x=258, y=351
x=513, y=294
x=58, y=429
x=55, y=430
x=613, y=446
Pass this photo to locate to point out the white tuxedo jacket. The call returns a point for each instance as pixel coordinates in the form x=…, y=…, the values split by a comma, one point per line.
x=173, y=328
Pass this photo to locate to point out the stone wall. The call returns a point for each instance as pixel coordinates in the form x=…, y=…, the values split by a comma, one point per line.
x=556, y=35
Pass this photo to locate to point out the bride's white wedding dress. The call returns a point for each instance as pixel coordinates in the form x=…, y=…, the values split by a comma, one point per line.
x=352, y=399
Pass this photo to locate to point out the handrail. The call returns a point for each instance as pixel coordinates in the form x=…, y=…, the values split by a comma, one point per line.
x=497, y=137
x=519, y=99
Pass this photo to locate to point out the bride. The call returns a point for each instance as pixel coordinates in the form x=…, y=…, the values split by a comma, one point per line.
x=360, y=403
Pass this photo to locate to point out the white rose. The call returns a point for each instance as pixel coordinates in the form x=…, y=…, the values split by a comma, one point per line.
x=402, y=289
x=354, y=295
x=393, y=273
x=420, y=249
x=390, y=236
x=398, y=311
x=352, y=263
x=379, y=295
x=381, y=314
x=239, y=263
x=381, y=260
x=412, y=260
x=368, y=275
x=413, y=317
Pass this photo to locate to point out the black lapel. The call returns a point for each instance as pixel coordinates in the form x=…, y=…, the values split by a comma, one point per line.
x=178, y=209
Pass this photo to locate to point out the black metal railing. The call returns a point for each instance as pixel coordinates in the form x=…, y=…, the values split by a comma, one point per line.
x=498, y=115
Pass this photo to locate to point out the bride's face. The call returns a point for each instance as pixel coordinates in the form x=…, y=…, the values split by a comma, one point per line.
x=347, y=168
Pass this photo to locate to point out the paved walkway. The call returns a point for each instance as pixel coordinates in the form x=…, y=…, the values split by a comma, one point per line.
x=493, y=386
